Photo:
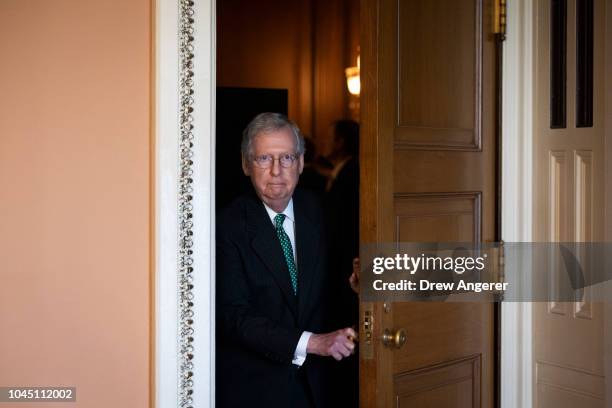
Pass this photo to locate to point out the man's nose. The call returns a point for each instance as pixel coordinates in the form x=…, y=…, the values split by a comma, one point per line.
x=275, y=169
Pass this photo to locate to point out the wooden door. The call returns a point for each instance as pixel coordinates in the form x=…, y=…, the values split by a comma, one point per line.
x=569, y=188
x=428, y=158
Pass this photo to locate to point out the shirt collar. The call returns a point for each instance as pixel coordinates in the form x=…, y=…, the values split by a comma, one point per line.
x=288, y=211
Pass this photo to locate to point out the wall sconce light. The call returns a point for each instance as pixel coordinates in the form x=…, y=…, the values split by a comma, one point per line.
x=352, y=79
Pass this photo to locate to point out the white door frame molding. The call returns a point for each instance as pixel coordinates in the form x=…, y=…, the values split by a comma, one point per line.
x=166, y=165
x=517, y=197
x=166, y=308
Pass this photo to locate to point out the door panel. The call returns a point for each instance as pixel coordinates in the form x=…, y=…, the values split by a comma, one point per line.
x=428, y=157
x=438, y=217
x=451, y=384
x=437, y=58
x=568, y=194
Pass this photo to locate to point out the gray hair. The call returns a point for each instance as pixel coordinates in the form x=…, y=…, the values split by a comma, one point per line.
x=269, y=122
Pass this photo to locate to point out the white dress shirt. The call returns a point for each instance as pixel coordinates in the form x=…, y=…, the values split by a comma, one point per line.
x=299, y=356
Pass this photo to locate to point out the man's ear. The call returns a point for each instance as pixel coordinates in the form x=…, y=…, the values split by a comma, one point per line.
x=245, y=167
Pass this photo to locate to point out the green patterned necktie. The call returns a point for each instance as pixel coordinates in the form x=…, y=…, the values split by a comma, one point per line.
x=287, y=249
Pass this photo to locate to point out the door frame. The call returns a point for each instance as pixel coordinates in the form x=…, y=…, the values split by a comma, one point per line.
x=516, y=356
x=517, y=196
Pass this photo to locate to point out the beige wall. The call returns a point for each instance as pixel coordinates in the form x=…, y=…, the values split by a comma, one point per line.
x=74, y=198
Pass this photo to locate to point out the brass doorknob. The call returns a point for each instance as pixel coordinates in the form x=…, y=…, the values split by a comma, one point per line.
x=394, y=338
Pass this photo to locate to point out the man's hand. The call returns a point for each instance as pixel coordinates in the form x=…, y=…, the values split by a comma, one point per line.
x=338, y=344
x=354, y=278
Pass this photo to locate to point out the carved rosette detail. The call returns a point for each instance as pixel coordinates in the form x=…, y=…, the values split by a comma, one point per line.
x=185, y=213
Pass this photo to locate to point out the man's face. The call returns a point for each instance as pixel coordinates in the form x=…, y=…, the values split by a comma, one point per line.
x=274, y=185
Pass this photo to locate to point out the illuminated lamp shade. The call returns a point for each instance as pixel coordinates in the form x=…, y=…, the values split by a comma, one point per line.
x=352, y=79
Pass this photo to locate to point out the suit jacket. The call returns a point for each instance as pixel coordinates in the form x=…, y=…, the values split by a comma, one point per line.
x=259, y=319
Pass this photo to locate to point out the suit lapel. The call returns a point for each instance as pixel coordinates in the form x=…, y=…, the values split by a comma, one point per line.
x=266, y=246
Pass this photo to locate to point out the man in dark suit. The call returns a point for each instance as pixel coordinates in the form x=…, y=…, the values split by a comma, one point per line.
x=274, y=342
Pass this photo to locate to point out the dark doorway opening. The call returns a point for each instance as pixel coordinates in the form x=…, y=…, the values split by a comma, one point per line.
x=296, y=57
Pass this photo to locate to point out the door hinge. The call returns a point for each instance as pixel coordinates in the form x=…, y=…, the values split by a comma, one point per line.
x=499, y=268
x=499, y=25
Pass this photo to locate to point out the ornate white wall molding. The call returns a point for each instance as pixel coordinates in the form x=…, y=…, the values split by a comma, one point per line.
x=184, y=203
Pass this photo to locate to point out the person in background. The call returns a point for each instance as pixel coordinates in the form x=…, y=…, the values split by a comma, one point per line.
x=342, y=212
x=312, y=178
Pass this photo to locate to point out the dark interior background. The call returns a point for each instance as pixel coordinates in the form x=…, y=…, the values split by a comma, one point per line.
x=290, y=56
x=235, y=109
x=302, y=46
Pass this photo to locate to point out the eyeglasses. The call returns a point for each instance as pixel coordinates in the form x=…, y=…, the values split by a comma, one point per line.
x=265, y=161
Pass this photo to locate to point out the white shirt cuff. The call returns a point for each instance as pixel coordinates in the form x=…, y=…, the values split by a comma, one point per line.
x=300, y=351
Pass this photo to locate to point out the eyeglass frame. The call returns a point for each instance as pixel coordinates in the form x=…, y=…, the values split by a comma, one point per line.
x=294, y=158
